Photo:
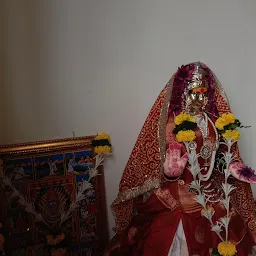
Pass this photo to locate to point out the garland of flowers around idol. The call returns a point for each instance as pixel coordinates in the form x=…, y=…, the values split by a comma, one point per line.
x=185, y=132
x=102, y=148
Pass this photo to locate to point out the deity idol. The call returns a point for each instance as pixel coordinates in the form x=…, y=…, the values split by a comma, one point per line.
x=174, y=202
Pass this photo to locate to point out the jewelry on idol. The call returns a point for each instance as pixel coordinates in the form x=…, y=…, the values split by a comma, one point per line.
x=207, y=151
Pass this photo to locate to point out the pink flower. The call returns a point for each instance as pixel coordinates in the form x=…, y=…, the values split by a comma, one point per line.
x=242, y=172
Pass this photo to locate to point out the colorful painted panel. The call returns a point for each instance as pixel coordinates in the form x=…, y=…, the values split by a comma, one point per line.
x=50, y=165
x=79, y=162
x=48, y=179
x=88, y=217
x=51, y=199
x=18, y=169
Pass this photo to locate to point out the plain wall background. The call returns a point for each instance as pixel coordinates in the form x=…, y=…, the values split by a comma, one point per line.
x=94, y=66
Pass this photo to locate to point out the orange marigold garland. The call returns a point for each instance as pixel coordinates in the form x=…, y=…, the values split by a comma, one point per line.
x=56, y=244
x=53, y=240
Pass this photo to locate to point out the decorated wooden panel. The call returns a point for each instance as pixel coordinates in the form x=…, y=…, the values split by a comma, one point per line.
x=53, y=197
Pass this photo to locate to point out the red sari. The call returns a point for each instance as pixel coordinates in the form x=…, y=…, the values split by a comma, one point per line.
x=148, y=209
x=158, y=217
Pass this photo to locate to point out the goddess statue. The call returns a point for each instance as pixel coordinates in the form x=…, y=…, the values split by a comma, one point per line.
x=157, y=212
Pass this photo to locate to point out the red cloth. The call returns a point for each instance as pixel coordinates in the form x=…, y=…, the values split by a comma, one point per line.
x=151, y=232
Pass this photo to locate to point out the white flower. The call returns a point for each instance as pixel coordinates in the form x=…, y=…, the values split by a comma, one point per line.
x=86, y=185
x=194, y=169
x=201, y=200
x=227, y=188
x=208, y=213
x=195, y=184
x=225, y=221
x=93, y=172
x=227, y=174
x=228, y=157
x=99, y=161
x=229, y=142
x=226, y=202
x=216, y=228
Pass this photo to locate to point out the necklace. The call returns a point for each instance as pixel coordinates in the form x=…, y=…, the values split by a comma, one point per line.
x=202, y=123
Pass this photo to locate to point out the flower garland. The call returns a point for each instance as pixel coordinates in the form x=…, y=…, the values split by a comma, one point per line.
x=56, y=247
x=185, y=127
x=101, y=144
x=226, y=126
x=53, y=240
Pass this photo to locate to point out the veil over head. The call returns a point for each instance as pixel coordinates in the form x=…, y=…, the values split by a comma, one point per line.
x=144, y=169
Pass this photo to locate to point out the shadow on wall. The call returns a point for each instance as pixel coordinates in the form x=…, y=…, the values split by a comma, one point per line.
x=22, y=79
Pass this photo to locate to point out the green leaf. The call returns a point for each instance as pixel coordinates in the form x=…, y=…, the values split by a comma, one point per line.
x=215, y=252
x=184, y=126
x=220, y=131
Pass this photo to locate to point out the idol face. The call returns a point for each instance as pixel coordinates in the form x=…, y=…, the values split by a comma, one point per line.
x=196, y=101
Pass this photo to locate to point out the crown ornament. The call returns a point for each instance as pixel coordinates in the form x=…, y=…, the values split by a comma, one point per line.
x=198, y=78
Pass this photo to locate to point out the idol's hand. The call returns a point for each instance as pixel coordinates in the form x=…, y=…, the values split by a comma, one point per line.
x=242, y=172
x=174, y=164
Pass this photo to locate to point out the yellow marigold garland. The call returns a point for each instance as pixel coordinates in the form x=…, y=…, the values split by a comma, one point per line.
x=183, y=117
x=101, y=144
x=185, y=136
x=102, y=149
x=103, y=136
x=224, y=120
x=231, y=134
x=185, y=126
x=227, y=249
x=226, y=125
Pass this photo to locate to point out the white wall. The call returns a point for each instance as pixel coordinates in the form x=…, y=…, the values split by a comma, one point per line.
x=98, y=65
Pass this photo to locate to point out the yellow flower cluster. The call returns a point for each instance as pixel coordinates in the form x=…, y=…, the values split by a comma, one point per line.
x=59, y=252
x=225, y=119
x=183, y=117
x=102, y=149
x=231, y=134
x=185, y=136
x=53, y=240
x=227, y=249
x=103, y=136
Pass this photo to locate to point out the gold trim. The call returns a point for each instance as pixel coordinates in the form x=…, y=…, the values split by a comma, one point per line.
x=162, y=123
x=135, y=192
x=45, y=146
